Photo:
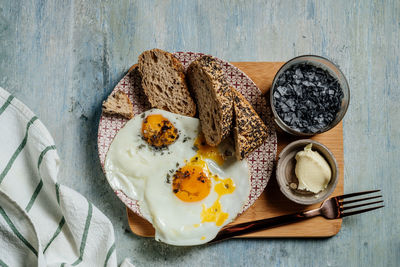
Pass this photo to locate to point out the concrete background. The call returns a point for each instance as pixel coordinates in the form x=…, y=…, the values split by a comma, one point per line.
x=62, y=58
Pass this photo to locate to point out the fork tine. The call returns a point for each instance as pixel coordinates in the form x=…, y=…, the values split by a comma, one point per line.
x=357, y=200
x=360, y=205
x=359, y=211
x=356, y=194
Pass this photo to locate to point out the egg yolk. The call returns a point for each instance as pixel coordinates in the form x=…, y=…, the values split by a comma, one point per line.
x=191, y=183
x=226, y=186
x=215, y=213
x=158, y=131
x=206, y=151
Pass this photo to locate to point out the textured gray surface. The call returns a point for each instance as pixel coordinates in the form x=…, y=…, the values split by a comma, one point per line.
x=62, y=58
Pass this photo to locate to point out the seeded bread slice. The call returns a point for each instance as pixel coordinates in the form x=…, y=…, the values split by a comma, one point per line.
x=213, y=96
x=249, y=131
x=163, y=81
x=118, y=104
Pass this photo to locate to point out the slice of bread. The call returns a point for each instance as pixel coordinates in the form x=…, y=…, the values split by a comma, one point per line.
x=163, y=81
x=249, y=131
x=118, y=104
x=213, y=96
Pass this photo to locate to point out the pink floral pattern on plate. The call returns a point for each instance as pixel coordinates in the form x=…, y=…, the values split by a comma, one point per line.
x=260, y=161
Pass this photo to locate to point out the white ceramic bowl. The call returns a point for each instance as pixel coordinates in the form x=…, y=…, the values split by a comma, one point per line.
x=285, y=172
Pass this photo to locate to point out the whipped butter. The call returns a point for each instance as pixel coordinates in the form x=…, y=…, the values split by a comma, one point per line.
x=312, y=170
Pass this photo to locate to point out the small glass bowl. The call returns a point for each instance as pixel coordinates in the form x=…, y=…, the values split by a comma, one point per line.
x=326, y=65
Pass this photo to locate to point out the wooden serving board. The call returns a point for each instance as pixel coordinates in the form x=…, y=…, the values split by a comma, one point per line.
x=272, y=202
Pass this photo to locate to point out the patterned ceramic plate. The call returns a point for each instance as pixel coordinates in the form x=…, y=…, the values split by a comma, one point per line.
x=260, y=161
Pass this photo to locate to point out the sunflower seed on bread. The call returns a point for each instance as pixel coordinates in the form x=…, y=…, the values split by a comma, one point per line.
x=249, y=131
x=118, y=103
x=163, y=82
x=213, y=96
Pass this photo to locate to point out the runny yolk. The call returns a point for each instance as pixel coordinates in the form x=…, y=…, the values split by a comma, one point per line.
x=226, y=186
x=158, y=131
x=191, y=183
x=215, y=213
x=206, y=151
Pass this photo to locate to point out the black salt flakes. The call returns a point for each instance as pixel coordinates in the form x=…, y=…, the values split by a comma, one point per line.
x=307, y=98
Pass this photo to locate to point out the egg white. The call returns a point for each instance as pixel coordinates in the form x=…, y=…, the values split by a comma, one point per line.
x=141, y=173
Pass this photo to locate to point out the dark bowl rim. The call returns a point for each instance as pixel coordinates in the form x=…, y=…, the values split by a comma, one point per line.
x=276, y=116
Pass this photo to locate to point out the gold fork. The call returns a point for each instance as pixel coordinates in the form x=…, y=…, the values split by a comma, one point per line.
x=332, y=208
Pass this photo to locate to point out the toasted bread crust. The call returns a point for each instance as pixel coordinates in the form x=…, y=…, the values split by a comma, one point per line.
x=118, y=103
x=163, y=81
x=249, y=131
x=214, y=98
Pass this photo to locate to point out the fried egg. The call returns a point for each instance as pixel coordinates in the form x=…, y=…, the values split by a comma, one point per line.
x=185, y=188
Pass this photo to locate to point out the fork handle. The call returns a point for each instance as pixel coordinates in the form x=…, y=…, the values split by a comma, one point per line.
x=254, y=226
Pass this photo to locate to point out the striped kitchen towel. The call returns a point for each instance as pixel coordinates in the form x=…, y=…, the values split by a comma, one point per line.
x=43, y=223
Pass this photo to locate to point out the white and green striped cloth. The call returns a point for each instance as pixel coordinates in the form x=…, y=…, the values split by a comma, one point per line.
x=43, y=223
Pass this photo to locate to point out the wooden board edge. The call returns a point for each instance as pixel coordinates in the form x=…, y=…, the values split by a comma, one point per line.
x=133, y=217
